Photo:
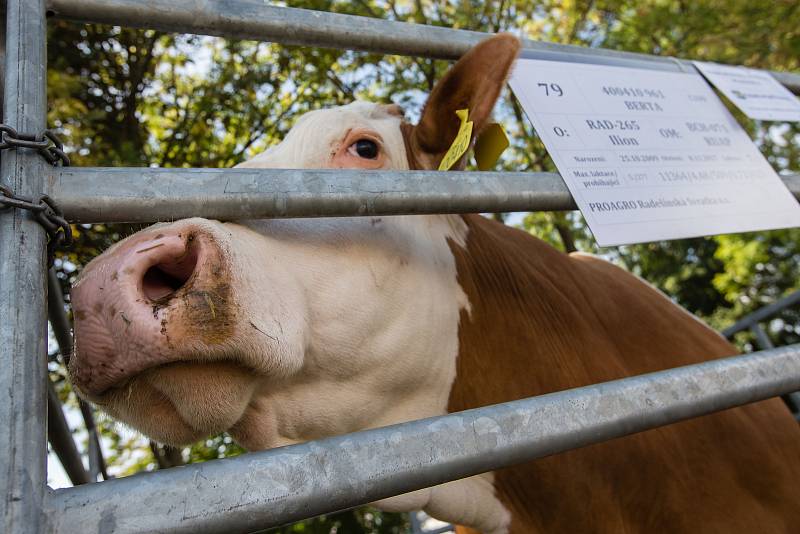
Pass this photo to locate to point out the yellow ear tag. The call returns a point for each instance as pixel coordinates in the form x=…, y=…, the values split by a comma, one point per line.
x=490, y=145
x=460, y=143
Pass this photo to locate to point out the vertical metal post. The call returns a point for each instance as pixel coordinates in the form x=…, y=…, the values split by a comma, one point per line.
x=2, y=54
x=23, y=348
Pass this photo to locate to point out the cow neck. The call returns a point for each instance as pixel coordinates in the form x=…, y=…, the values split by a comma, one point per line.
x=541, y=321
x=510, y=280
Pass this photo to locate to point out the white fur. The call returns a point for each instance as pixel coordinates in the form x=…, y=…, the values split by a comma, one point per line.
x=379, y=323
x=470, y=502
x=334, y=325
x=380, y=312
x=315, y=135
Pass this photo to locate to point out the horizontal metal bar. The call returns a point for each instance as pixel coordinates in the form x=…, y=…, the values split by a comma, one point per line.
x=116, y=194
x=274, y=487
x=143, y=195
x=254, y=19
x=766, y=312
x=752, y=322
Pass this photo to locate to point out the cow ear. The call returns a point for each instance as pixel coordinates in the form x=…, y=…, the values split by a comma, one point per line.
x=473, y=83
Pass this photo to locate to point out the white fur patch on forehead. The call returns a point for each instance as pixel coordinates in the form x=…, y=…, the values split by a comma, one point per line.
x=317, y=135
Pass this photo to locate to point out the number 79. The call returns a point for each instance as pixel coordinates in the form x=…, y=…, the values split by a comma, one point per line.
x=551, y=88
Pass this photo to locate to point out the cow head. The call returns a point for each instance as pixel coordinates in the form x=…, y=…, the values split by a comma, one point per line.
x=282, y=331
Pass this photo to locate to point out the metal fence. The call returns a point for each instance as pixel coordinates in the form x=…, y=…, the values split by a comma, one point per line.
x=283, y=485
x=762, y=341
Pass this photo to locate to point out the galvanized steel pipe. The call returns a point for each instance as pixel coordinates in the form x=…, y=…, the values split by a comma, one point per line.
x=23, y=287
x=254, y=19
x=62, y=329
x=98, y=194
x=60, y=438
x=279, y=486
x=762, y=314
x=143, y=195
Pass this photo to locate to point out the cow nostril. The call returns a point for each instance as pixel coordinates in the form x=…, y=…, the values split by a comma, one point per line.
x=158, y=284
x=162, y=280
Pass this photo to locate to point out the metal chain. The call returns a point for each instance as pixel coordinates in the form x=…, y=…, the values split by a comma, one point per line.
x=44, y=209
x=47, y=144
x=46, y=213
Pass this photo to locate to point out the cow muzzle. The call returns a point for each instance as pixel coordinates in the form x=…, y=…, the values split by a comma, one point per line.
x=160, y=297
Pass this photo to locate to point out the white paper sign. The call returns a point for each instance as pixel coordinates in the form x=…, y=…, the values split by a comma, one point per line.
x=650, y=155
x=756, y=93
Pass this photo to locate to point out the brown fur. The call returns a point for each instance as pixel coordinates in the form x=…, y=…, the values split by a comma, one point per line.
x=543, y=321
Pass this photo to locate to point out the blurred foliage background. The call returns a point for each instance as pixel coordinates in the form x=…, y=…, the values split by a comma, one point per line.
x=123, y=97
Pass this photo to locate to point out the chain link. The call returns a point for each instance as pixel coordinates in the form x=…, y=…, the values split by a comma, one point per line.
x=44, y=209
x=47, y=144
x=46, y=213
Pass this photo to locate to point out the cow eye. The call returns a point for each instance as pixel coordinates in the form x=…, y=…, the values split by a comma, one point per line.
x=366, y=148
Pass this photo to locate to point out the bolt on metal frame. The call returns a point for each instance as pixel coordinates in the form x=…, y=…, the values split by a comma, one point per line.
x=274, y=487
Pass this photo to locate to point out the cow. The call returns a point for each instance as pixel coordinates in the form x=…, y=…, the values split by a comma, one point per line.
x=281, y=331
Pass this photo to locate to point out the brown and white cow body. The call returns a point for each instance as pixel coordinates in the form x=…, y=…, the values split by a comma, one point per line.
x=285, y=331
